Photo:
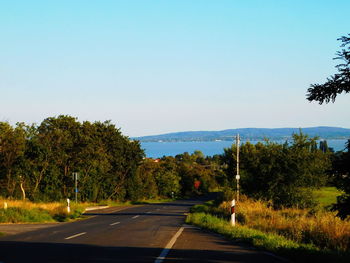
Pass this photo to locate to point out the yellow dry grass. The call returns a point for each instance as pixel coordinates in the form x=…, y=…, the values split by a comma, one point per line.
x=30, y=205
x=54, y=208
x=321, y=228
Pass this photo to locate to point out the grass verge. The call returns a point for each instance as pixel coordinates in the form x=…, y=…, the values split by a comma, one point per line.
x=326, y=196
x=29, y=212
x=273, y=242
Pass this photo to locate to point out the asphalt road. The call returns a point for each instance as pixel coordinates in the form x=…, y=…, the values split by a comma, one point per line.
x=149, y=233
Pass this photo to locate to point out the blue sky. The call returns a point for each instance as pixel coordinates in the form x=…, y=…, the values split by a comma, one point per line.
x=163, y=66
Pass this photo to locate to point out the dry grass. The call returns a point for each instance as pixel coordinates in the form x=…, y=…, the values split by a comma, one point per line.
x=30, y=205
x=57, y=211
x=321, y=228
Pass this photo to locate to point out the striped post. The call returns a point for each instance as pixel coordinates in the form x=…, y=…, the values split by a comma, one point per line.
x=233, y=214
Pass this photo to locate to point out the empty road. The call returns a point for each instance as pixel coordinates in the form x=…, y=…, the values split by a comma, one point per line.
x=148, y=233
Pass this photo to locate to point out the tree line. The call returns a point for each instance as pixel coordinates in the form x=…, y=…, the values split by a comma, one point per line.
x=37, y=163
x=284, y=174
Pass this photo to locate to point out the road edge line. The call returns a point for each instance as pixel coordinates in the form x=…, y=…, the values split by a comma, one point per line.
x=168, y=247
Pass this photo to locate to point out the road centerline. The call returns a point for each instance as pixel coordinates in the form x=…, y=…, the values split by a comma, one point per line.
x=168, y=246
x=115, y=223
x=77, y=235
x=135, y=216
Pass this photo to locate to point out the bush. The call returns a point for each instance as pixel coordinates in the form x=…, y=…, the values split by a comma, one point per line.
x=226, y=195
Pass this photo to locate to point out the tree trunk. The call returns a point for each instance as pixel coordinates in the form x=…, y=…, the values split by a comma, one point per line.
x=23, y=191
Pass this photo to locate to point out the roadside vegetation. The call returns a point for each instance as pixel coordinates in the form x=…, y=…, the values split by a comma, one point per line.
x=326, y=196
x=29, y=212
x=19, y=211
x=289, y=232
x=37, y=163
x=286, y=207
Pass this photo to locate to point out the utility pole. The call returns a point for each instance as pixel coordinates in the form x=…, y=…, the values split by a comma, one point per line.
x=237, y=175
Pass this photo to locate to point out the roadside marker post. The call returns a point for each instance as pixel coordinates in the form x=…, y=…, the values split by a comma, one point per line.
x=233, y=214
x=68, y=205
x=5, y=205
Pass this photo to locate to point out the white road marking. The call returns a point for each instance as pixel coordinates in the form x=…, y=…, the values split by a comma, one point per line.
x=149, y=212
x=77, y=235
x=167, y=248
x=116, y=223
x=135, y=217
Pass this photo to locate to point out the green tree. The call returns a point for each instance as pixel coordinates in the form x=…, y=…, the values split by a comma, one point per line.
x=278, y=172
x=12, y=146
x=339, y=82
x=60, y=135
x=341, y=171
x=327, y=92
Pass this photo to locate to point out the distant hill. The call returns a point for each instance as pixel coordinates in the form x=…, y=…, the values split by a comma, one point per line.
x=248, y=134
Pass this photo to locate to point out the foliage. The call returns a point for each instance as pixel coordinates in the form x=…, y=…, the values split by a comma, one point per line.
x=19, y=211
x=21, y=215
x=37, y=161
x=275, y=243
x=337, y=83
x=326, y=196
x=341, y=171
x=12, y=147
x=319, y=230
x=327, y=92
x=283, y=174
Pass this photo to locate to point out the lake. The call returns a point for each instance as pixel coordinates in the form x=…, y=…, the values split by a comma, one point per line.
x=210, y=148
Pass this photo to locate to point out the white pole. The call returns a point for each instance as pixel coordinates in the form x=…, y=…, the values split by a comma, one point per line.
x=68, y=207
x=5, y=205
x=233, y=214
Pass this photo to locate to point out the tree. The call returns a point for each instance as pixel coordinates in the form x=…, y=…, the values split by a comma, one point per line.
x=337, y=83
x=60, y=136
x=12, y=145
x=341, y=170
x=327, y=92
x=279, y=173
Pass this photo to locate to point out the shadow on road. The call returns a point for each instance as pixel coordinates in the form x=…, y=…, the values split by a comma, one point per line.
x=13, y=252
x=134, y=214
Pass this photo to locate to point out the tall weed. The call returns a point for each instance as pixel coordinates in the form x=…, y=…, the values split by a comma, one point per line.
x=321, y=228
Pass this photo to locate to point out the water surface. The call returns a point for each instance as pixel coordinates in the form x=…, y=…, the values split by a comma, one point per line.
x=160, y=149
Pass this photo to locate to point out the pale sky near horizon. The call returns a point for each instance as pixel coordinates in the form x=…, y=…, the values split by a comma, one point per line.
x=154, y=67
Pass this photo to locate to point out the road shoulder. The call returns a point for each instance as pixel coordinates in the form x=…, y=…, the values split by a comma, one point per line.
x=197, y=245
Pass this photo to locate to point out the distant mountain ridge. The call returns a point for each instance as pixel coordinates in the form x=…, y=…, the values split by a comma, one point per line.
x=324, y=132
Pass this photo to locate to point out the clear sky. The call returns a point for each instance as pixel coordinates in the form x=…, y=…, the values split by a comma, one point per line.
x=163, y=66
